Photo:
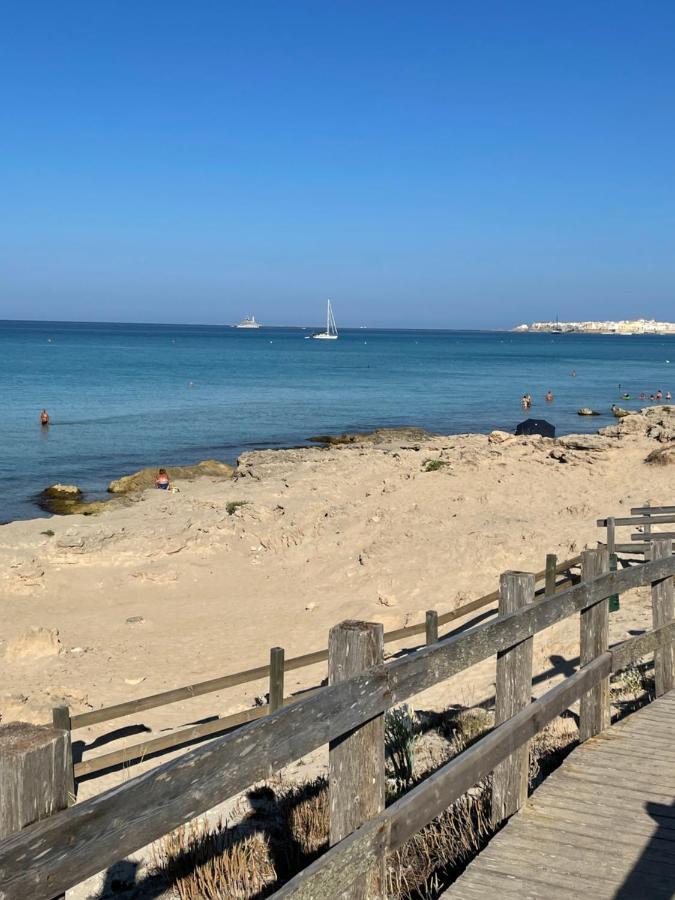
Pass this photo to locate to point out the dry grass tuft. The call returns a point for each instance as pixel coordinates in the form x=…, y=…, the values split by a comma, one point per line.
x=206, y=863
x=287, y=827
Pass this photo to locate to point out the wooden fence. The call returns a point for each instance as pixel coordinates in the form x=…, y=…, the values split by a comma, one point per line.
x=274, y=671
x=48, y=857
x=641, y=521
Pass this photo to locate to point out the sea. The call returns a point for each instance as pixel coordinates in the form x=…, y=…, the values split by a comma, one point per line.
x=122, y=397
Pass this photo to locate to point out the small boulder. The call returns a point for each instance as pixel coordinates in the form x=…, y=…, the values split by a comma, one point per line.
x=62, y=491
x=499, y=437
x=35, y=643
x=664, y=456
x=587, y=411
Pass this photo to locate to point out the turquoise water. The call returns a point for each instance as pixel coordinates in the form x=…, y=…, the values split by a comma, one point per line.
x=120, y=397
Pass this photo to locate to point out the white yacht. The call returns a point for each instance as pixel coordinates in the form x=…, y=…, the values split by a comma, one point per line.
x=248, y=322
x=331, y=332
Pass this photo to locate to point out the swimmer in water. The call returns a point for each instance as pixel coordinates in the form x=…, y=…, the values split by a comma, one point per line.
x=668, y=395
x=44, y=417
x=549, y=396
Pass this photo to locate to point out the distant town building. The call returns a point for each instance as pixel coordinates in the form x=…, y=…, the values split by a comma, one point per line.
x=625, y=326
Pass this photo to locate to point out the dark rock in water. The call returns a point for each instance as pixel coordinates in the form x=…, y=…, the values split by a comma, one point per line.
x=378, y=436
x=139, y=481
x=587, y=411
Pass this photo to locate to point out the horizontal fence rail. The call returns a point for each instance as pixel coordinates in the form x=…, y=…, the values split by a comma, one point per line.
x=51, y=856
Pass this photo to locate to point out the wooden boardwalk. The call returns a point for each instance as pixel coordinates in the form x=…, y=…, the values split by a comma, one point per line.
x=601, y=826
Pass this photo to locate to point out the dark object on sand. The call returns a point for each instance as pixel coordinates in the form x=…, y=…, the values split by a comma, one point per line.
x=536, y=426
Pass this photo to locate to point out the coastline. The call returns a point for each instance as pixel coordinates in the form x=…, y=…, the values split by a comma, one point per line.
x=173, y=588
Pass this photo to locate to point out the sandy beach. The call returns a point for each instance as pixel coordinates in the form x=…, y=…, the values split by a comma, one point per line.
x=166, y=589
x=175, y=588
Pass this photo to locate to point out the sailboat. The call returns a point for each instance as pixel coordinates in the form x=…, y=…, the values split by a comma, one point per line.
x=331, y=332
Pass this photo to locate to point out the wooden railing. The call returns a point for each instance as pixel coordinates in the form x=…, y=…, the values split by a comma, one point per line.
x=59, y=852
x=274, y=671
x=643, y=518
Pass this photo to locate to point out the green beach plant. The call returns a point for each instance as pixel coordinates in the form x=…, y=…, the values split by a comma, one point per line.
x=433, y=465
x=400, y=737
x=234, y=505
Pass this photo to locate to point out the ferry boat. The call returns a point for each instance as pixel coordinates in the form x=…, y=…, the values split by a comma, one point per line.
x=248, y=322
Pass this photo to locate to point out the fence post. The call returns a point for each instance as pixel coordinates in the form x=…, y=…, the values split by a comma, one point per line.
x=61, y=719
x=356, y=760
x=594, y=714
x=513, y=693
x=551, y=565
x=35, y=761
x=432, y=626
x=614, y=604
x=663, y=611
x=276, y=678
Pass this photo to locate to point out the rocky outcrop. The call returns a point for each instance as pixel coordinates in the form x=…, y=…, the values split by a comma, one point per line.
x=585, y=442
x=657, y=422
x=144, y=479
x=379, y=436
x=664, y=456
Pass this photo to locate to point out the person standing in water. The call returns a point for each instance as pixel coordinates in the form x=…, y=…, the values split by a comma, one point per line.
x=549, y=396
x=44, y=417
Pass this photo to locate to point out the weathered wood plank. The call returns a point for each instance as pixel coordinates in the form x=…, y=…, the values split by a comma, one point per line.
x=35, y=777
x=642, y=519
x=33, y=774
x=431, y=626
x=550, y=577
x=276, y=692
x=635, y=648
x=663, y=613
x=594, y=713
x=513, y=691
x=356, y=760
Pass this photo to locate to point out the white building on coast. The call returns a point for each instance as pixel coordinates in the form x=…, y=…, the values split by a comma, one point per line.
x=624, y=326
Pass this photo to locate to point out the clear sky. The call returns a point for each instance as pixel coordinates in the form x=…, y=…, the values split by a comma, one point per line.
x=432, y=164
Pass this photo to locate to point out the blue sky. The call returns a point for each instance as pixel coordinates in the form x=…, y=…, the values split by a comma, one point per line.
x=432, y=164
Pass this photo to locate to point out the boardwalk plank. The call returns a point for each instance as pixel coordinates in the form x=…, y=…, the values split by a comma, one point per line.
x=601, y=826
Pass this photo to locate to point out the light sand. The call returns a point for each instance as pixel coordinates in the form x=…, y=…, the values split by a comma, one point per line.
x=357, y=531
